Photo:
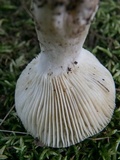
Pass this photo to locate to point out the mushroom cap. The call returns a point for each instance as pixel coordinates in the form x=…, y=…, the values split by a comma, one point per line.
x=65, y=108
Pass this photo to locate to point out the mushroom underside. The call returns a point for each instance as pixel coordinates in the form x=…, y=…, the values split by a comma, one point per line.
x=65, y=109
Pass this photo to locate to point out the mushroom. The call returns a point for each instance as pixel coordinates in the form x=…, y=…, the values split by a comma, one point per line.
x=65, y=94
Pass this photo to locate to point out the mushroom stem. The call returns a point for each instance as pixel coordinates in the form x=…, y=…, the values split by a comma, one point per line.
x=62, y=27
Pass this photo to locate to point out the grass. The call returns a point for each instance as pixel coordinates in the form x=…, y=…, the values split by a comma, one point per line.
x=18, y=47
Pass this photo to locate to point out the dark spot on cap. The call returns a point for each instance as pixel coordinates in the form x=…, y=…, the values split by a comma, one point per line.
x=69, y=69
x=57, y=4
x=49, y=74
x=76, y=21
x=70, y=6
x=41, y=3
x=75, y=62
x=60, y=44
x=58, y=13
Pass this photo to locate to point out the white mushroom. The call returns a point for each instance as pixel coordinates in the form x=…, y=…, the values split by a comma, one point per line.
x=64, y=95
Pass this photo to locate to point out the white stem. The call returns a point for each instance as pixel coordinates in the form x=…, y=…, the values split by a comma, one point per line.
x=62, y=27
